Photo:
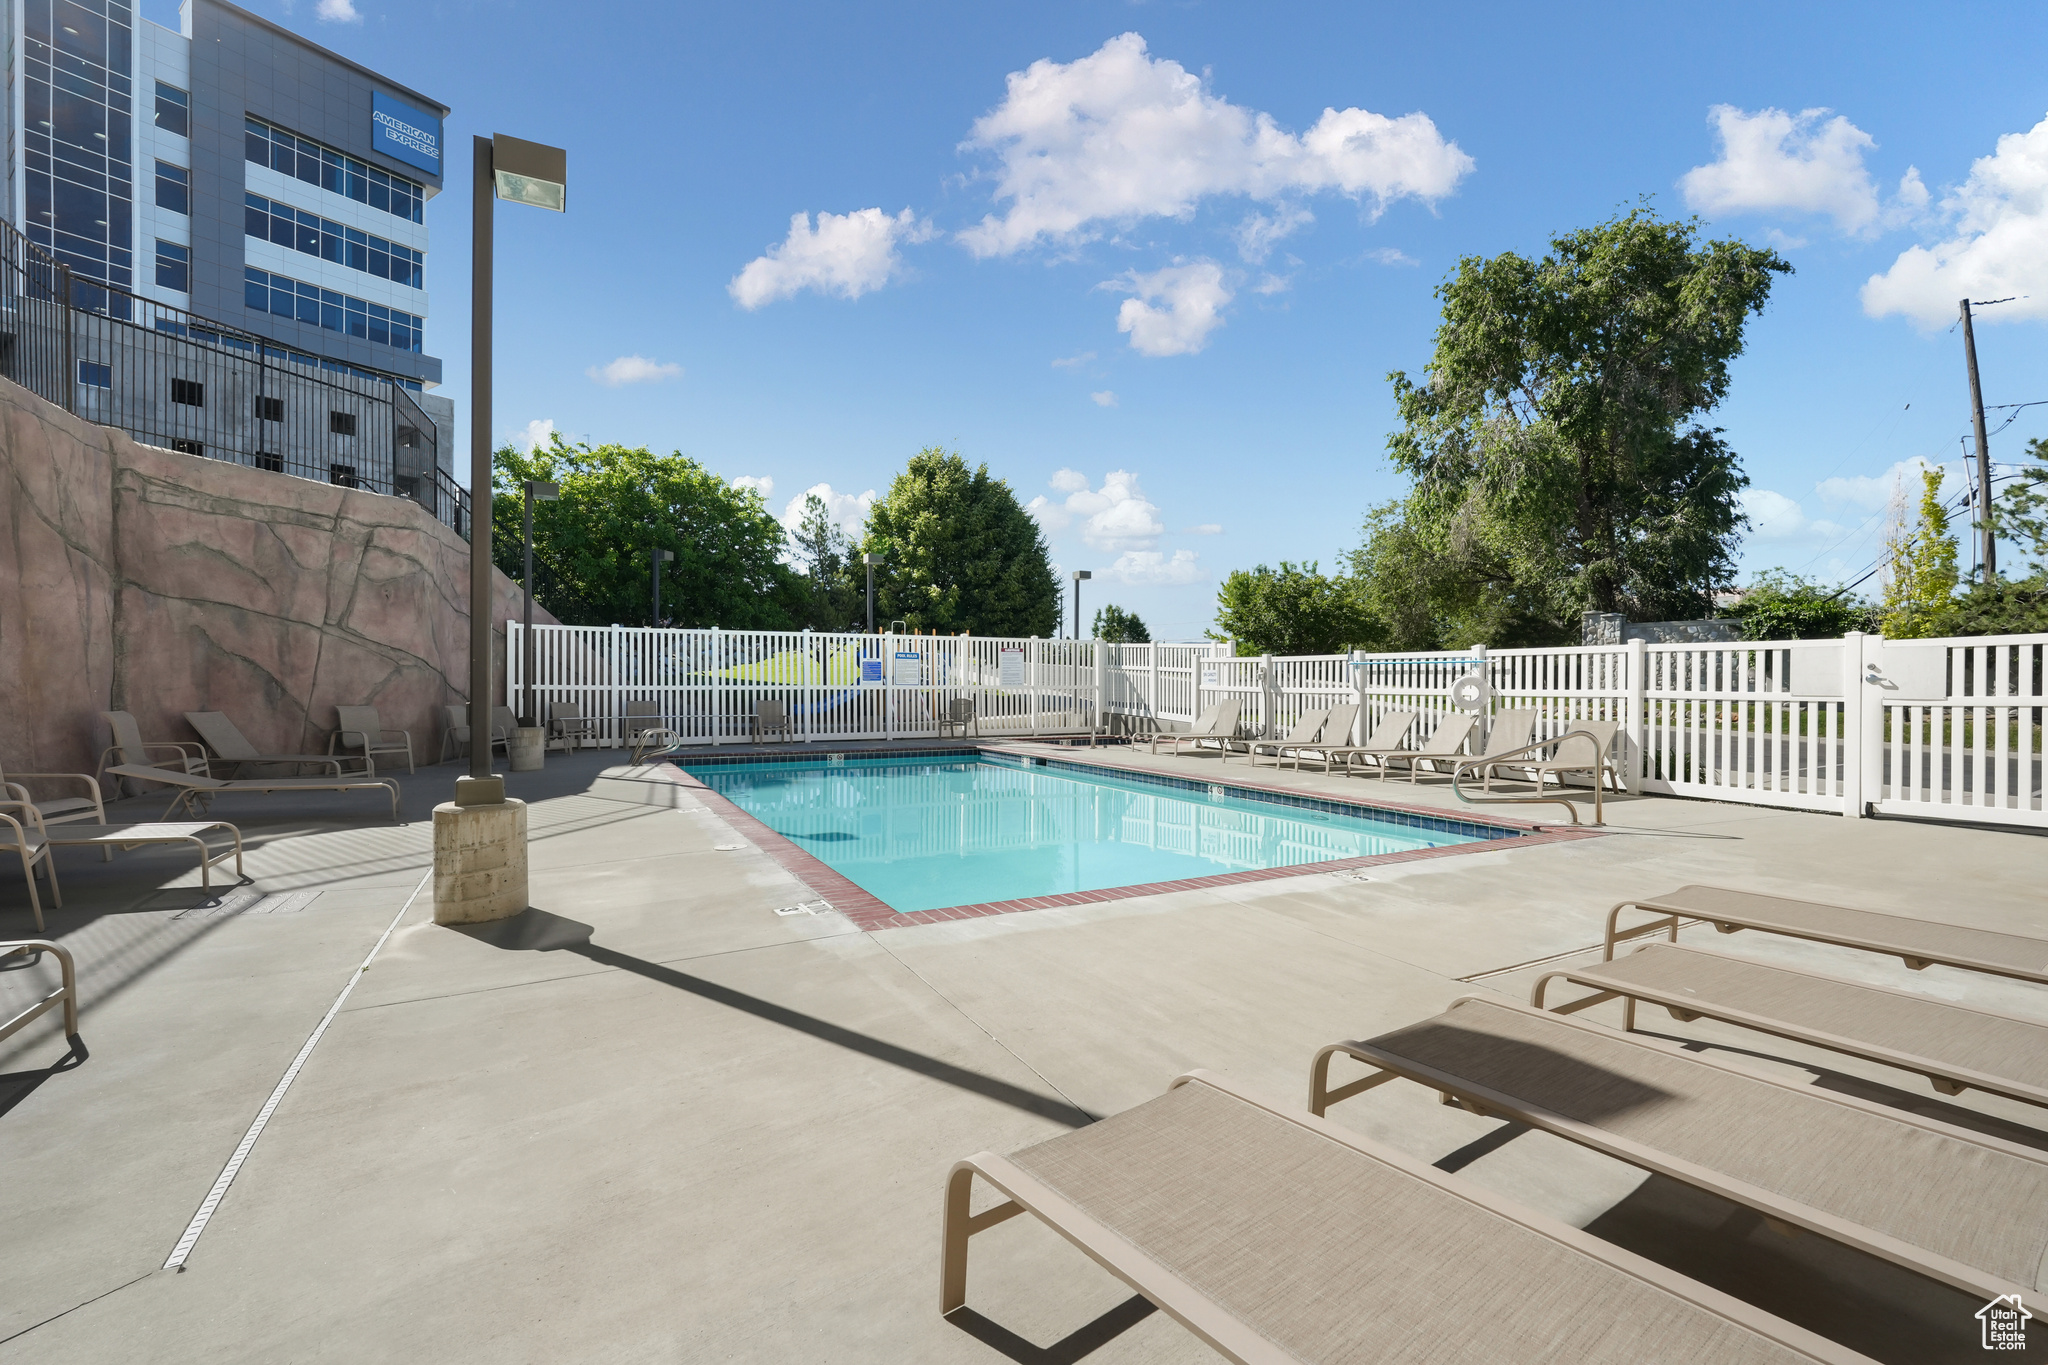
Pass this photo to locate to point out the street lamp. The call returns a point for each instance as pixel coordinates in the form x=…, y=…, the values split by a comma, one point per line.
x=546, y=492
x=871, y=560
x=1079, y=574
x=660, y=557
x=525, y=173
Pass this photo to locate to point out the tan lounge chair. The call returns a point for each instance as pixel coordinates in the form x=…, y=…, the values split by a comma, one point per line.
x=1581, y=749
x=1277, y=1237
x=1218, y=723
x=1386, y=738
x=136, y=834
x=1510, y=731
x=771, y=718
x=130, y=749
x=644, y=714
x=961, y=715
x=568, y=726
x=1919, y=943
x=65, y=994
x=1954, y=1205
x=231, y=747
x=1337, y=727
x=1305, y=731
x=57, y=810
x=1444, y=742
x=23, y=834
x=196, y=792
x=360, y=728
x=1955, y=1047
x=455, y=733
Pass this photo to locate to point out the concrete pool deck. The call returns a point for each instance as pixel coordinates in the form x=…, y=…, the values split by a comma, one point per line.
x=653, y=1119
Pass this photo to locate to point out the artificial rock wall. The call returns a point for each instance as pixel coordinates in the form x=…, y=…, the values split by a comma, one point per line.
x=139, y=579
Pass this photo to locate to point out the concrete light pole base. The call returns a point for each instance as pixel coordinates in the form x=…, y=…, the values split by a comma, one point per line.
x=479, y=860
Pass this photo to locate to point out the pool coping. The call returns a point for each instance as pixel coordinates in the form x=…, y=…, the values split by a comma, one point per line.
x=869, y=913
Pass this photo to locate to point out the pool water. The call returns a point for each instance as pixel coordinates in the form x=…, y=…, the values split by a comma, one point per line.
x=920, y=833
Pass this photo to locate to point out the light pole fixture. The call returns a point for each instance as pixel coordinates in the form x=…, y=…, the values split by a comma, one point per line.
x=660, y=557
x=1079, y=574
x=525, y=173
x=545, y=492
x=871, y=560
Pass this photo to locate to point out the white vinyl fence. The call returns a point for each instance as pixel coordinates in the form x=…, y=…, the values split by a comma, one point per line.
x=1948, y=729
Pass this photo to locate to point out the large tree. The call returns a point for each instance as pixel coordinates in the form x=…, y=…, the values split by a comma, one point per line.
x=1558, y=445
x=592, y=549
x=1294, y=609
x=959, y=553
x=833, y=592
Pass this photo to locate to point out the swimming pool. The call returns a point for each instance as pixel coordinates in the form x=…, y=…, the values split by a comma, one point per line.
x=926, y=833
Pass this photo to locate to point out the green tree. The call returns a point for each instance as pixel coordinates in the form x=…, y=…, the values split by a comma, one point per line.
x=833, y=598
x=2020, y=513
x=1294, y=609
x=1922, y=572
x=1557, y=446
x=959, y=553
x=1784, y=606
x=1120, y=627
x=592, y=548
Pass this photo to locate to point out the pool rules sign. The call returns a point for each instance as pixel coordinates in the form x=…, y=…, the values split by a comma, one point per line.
x=1011, y=678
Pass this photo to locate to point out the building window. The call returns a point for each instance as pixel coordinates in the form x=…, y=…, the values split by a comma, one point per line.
x=173, y=110
x=288, y=298
x=273, y=463
x=77, y=119
x=190, y=392
x=95, y=376
x=173, y=267
x=334, y=171
x=269, y=409
x=341, y=423
x=343, y=476
x=185, y=447
x=173, y=188
x=295, y=229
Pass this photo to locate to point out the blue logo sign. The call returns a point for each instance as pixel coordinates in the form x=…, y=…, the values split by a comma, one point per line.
x=399, y=130
x=870, y=670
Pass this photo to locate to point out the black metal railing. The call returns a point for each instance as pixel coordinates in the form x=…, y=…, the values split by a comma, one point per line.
x=171, y=378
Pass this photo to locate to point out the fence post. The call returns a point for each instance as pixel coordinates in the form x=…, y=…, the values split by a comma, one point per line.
x=1861, y=723
x=616, y=724
x=1633, y=763
x=1363, y=722
x=1101, y=678
x=69, y=379
x=1152, y=667
x=1266, y=701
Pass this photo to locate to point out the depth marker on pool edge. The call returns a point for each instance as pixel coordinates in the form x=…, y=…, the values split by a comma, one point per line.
x=234, y=1166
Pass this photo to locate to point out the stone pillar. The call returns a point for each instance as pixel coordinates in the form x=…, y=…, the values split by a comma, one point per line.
x=479, y=856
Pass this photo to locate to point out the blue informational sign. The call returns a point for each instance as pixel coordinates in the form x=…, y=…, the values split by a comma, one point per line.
x=399, y=130
x=870, y=670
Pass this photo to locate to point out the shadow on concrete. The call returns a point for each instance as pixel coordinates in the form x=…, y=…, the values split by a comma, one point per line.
x=1073, y=1346
x=1472, y=1151
x=16, y=1086
x=538, y=931
x=1868, y=1304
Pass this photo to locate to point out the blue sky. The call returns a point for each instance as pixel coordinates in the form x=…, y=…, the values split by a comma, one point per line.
x=1157, y=279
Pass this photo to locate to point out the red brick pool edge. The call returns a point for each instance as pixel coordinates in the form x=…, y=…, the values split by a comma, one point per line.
x=869, y=913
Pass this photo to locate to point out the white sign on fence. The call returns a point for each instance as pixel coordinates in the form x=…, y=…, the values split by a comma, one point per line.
x=908, y=669
x=1011, y=674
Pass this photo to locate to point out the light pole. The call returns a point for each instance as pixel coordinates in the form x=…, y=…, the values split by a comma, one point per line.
x=1079, y=574
x=660, y=558
x=546, y=492
x=871, y=560
x=526, y=173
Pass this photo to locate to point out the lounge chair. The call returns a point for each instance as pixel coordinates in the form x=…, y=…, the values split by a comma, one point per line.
x=1920, y=943
x=960, y=716
x=136, y=834
x=57, y=810
x=65, y=994
x=1305, y=731
x=1218, y=723
x=503, y=722
x=232, y=748
x=23, y=834
x=1337, y=727
x=129, y=748
x=1274, y=1236
x=1955, y=1047
x=568, y=726
x=643, y=714
x=1582, y=749
x=455, y=734
x=361, y=728
x=1946, y=1202
x=1386, y=738
x=771, y=718
x=1444, y=742
x=196, y=792
x=1509, y=732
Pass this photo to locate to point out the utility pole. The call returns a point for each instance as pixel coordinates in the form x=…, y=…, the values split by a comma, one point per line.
x=1990, y=539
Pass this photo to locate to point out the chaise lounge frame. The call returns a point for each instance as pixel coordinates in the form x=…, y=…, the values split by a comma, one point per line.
x=194, y=790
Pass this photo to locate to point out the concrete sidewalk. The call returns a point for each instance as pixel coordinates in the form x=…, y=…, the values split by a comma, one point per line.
x=654, y=1120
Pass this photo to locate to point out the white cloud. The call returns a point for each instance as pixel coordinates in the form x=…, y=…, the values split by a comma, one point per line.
x=337, y=12
x=847, y=510
x=847, y=254
x=1118, y=135
x=633, y=369
x=1191, y=293
x=1073, y=361
x=1105, y=398
x=1207, y=528
x=1866, y=493
x=1998, y=246
x=1391, y=255
x=537, y=433
x=1773, y=516
x=1117, y=516
x=1257, y=234
x=1804, y=163
x=1273, y=284
x=765, y=485
x=1153, y=567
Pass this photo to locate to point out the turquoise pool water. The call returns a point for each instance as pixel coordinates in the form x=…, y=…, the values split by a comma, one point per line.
x=919, y=834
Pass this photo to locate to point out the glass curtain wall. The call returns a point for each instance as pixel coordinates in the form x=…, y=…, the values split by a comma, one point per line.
x=77, y=106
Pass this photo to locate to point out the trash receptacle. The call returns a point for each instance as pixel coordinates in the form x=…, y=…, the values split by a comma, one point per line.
x=527, y=749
